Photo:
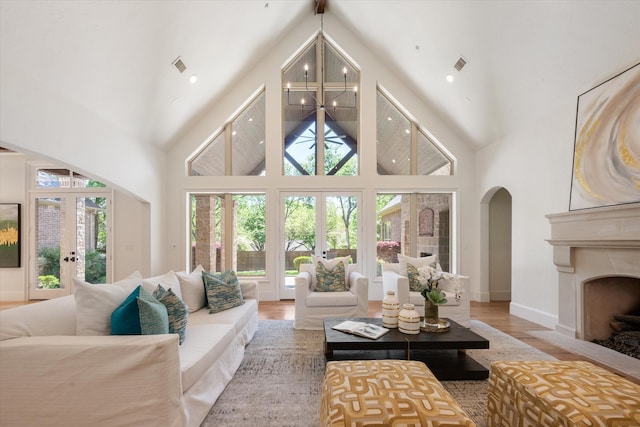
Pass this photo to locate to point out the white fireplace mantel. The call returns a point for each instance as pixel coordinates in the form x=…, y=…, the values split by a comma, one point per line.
x=589, y=244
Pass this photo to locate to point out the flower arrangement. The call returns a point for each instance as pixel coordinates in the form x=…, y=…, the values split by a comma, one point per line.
x=429, y=278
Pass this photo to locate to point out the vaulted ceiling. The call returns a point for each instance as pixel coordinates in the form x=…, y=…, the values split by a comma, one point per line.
x=523, y=57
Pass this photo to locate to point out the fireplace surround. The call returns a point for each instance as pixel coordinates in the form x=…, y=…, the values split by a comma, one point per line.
x=589, y=245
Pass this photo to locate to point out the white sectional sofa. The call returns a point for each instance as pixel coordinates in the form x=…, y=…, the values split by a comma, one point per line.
x=51, y=376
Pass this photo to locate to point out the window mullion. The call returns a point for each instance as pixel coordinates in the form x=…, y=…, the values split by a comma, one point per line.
x=413, y=167
x=227, y=150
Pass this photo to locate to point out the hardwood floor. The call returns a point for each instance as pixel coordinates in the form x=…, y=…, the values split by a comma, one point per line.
x=495, y=314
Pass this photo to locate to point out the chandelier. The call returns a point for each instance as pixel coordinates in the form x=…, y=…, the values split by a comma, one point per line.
x=338, y=101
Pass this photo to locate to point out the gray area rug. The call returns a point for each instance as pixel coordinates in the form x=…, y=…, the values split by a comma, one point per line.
x=278, y=382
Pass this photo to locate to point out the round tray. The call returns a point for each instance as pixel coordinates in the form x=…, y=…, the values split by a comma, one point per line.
x=441, y=326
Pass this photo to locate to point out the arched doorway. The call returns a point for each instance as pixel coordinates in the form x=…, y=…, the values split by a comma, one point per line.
x=496, y=245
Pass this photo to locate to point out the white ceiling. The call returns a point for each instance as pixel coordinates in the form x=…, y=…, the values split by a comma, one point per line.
x=524, y=57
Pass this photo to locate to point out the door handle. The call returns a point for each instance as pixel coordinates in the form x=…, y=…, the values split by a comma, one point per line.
x=67, y=259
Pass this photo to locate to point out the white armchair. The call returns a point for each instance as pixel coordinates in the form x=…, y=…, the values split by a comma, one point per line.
x=312, y=307
x=458, y=311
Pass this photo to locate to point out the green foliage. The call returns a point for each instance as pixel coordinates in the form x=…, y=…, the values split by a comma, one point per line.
x=435, y=295
x=95, y=267
x=251, y=214
x=49, y=282
x=51, y=264
x=300, y=228
x=301, y=260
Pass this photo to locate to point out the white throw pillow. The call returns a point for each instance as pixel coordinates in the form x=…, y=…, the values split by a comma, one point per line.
x=168, y=281
x=192, y=286
x=416, y=262
x=96, y=302
x=330, y=264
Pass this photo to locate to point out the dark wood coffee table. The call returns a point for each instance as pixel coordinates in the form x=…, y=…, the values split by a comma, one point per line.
x=443, y=352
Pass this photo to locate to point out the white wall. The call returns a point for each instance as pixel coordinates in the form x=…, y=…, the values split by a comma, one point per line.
x=38, y=121
x=130, y=219
x=268, y=72
x=534, y=165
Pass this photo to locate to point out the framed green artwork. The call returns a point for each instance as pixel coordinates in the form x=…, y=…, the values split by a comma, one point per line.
x=9, y=235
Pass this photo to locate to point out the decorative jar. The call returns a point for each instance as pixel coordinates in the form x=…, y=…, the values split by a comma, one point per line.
x=390, y=310
x=409, y=320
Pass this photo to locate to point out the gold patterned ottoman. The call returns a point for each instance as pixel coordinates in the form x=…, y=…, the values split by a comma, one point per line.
x=555, y=394
x=386, y=393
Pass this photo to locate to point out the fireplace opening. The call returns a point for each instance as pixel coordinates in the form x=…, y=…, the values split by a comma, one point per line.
x=612, y=313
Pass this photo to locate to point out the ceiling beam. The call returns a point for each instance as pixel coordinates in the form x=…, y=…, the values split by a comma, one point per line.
x=319, y=6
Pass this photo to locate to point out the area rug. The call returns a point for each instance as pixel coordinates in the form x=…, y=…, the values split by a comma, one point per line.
x=278, y=382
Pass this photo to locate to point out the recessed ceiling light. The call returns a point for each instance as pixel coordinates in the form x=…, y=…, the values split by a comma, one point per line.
x=193, y=78
x=250, y=119
x=449, y=78
x=407, y=131
x=389, y=118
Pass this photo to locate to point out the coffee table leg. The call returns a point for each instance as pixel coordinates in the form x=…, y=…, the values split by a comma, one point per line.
x=328, y=353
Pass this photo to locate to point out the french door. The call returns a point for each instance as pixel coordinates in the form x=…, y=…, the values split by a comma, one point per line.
x=70, y=238
x=320, y=223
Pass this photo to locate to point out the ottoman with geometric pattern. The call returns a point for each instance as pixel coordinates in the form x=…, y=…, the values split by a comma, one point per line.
x=540, y=393
x=386, y=393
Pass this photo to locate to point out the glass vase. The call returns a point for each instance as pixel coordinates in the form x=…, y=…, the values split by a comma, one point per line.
x=431, y=316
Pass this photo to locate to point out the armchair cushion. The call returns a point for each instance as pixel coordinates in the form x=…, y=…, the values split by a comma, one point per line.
x=403, y=260
x=330, y=265
x=312, y=307
x=330, y=280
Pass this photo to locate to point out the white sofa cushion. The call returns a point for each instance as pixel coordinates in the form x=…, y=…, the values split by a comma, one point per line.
x=203, y=345
x=168, y=281
x=192, y=287
x=96, y=302
x=35, y=319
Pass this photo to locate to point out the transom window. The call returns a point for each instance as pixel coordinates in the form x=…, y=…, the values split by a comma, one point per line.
x=403, y=148
x=238, y=149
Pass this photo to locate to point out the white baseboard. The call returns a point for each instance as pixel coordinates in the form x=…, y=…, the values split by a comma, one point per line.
x=501, y=295
x=565, y=330
x=534, y=315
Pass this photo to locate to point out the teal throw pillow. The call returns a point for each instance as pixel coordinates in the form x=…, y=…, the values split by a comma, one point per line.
x=140, y=314
x=223, y=290
x=176, y=310
x=330, y=280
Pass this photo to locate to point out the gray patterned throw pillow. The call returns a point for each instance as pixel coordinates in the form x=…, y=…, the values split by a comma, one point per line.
x=223, y=290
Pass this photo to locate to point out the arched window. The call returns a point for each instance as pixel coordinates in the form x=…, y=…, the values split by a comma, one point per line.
x=320, y=112
x=425, y=222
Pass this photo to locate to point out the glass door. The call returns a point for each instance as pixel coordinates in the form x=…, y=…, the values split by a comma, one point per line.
x=69, y=240
x=319, y=223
